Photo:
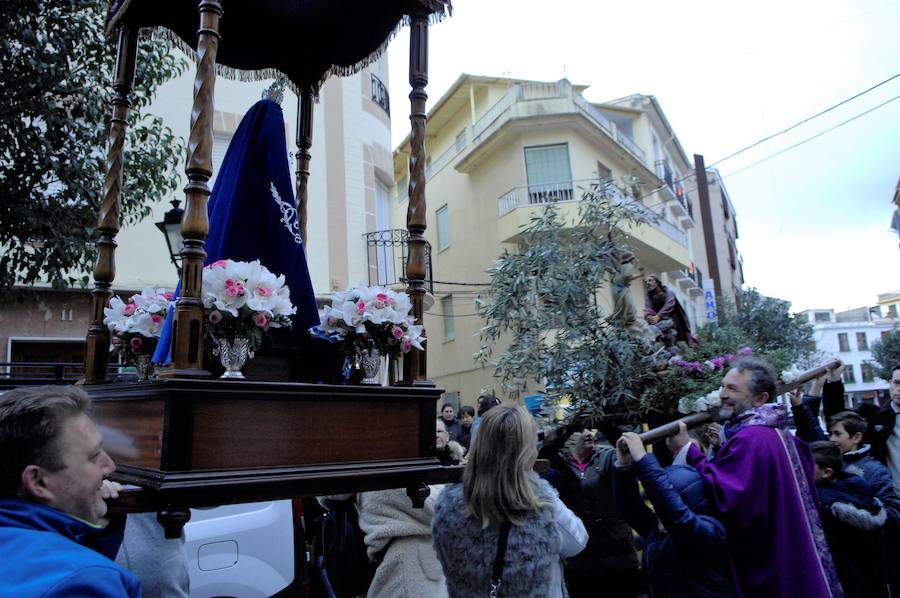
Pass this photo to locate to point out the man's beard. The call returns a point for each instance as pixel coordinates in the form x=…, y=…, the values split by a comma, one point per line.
x=726, y=413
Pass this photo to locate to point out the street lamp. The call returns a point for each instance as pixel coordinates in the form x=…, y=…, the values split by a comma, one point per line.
x=171, y=230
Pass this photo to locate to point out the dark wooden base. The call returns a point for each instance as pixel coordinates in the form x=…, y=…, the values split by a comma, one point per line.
x=194, y=443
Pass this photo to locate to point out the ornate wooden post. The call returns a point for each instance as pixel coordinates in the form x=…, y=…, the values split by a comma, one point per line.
x=304, y=142
x=414, y=367
x=96, y=355
x=187, y=334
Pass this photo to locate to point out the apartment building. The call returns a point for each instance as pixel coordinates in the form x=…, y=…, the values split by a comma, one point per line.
x=351, y=175
x=848, y=335
x=499, y=150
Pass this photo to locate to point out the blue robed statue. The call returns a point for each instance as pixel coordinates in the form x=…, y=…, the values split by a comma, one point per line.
x=253, y=215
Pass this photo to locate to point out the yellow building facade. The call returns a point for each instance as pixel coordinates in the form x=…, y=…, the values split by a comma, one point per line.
x=501, y=149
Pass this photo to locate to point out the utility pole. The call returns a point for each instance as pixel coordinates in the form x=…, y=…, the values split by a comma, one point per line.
x=709, y=235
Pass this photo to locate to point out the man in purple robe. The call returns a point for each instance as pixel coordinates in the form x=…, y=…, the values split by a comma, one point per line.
x=762, y=482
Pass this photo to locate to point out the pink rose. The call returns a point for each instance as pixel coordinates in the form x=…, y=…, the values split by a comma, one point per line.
x=115, y=340
x=169, y=296
x=407, y=345
x=379, y=304
x=215, y=316
x=156, y=318
x=232, y=291
x=382, y=297
x=229, y=282
x=397, y=332
x=361, y=307
x=261, y=320
x=218, y=264
x=136, y=343
x=129, y=309
x=239, y=286
x=264, y=291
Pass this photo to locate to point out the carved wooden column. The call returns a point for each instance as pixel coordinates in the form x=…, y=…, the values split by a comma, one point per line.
x=187, y=333
x=414, y=366
x=96, y=354
x=304, y=142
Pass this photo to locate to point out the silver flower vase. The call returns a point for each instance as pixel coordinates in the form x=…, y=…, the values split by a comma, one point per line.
x=233, y=356
x=143, y=367
x=370, y=363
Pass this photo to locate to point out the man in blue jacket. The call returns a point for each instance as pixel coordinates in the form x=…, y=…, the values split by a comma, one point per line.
x=54, y=537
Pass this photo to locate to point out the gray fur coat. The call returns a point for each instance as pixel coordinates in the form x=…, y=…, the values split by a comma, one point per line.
x=467, y=551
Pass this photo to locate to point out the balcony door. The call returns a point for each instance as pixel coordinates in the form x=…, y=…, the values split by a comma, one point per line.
x=384, y=250
x=549, y=173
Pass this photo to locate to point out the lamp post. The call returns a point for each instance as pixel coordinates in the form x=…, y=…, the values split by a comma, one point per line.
x=171, y=230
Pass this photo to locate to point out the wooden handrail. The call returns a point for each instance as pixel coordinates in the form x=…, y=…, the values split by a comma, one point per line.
x=696, y=419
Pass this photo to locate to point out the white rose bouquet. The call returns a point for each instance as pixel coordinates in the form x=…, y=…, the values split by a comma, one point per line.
x=244, y=299
x=137, y=323
x=366, y=316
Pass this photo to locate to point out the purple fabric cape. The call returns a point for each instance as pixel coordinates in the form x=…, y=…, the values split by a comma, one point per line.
x=769, y=507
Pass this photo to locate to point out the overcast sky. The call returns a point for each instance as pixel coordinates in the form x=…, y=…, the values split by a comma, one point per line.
x=814, y=221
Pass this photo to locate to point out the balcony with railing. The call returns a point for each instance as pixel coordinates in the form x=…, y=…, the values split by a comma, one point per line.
x=662, y=243
x=524, y=100
x=386, y=252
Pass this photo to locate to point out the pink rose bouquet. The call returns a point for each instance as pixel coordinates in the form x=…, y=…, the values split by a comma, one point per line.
x=136, y=324
x=244, y=299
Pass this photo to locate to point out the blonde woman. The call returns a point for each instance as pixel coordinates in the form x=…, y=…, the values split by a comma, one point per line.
x=501, y=496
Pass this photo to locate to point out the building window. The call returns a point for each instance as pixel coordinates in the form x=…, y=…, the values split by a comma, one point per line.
x=603, y=172
x=861, y=343
x=461, y=141
x=447, y=311
x=884, y=335
x=892, y=311
x=822, y=316
x=725, y=209
x=549, y=173
x=868, y=374
x=843, y=342
x=443, y=228
x=403, y=190
x=848, y=375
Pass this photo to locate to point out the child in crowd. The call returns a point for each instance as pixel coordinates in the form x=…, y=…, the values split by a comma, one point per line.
x=853, y=520
x=847, y=430
x=685, y=551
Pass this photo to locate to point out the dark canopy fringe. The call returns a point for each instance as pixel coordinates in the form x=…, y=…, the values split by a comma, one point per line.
x=306, y=40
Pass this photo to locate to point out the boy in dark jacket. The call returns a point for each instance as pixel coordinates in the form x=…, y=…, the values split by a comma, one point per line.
x=853, y=520
x=848, y=430
x=685, y=551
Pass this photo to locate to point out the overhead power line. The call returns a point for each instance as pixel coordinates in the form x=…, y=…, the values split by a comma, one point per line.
x=808, y=139
x=804, y=121
x=693, y=173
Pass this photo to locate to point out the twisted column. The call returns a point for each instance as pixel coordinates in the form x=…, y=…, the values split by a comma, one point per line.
x=96, y=354
x=414, y=367
x=187, y=332
x=304, y=142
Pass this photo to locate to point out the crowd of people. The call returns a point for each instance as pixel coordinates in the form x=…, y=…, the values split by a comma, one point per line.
x=766, y=504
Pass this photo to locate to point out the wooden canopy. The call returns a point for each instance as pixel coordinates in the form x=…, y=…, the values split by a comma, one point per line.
x=306, y=40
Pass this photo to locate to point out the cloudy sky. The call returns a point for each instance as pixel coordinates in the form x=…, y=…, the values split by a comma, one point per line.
x=814, y=221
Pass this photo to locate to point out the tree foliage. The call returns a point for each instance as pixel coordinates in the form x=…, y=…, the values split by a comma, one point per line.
x=763, y=323
x=886, y=353
x=545, y=297
x=56, y=70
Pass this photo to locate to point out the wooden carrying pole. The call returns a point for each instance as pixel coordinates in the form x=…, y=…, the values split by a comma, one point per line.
x=696, y=419
x=187, y=330
x=96, y=355
x=414, y=366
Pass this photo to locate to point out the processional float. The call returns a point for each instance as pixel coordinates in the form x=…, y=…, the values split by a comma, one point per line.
x=186, y=439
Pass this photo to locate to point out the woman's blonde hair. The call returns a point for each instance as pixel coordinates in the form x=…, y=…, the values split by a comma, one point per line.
x=497, y=481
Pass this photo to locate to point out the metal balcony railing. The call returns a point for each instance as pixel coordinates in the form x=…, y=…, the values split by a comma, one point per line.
x=533, y=195
x=386, y=255
x=34, y=373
